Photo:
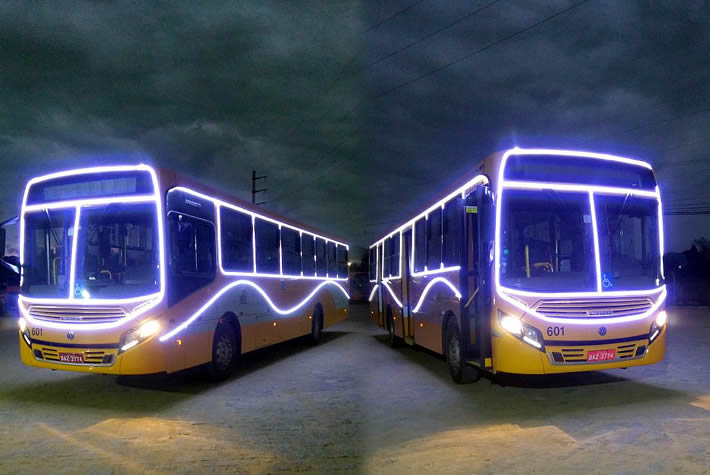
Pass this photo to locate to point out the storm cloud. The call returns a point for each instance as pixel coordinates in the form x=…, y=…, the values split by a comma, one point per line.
x=359, y=112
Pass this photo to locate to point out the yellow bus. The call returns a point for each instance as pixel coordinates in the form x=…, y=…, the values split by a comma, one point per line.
x=540, y=261
x=136, y=270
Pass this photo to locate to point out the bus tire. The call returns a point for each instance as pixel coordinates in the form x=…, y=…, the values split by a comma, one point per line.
x=392, y=338
x=460, y=371
x=316, y=325
x=224, y=352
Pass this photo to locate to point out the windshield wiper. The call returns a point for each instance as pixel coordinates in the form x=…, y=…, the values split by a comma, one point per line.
x=51, y=228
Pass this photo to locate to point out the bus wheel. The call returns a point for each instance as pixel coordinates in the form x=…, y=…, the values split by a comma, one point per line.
x=317, y=324
x=461, y=372
x=224, y=347
x=392, y=338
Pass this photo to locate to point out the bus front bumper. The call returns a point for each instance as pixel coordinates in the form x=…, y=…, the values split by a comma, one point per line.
x=512, y=355
x=148, y=357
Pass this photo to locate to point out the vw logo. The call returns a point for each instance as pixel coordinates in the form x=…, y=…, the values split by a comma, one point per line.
x=70, y=336
x=602, y=331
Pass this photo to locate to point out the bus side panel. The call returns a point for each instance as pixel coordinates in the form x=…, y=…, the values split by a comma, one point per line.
x=436, y=304
x=335, y=306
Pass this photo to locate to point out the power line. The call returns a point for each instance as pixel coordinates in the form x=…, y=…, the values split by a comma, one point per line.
x=478, y=51
x=430, y=35
x=431, y=72
x=395, y=14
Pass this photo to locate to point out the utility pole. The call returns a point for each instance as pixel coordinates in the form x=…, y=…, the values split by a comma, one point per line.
x=254, y=191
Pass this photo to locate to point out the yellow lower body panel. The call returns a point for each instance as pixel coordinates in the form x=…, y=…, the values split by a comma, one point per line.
x=149, y=357
x=511, y=355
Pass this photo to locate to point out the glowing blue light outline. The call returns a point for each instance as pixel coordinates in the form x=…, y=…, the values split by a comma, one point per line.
x=502, y=184
x=266, y=297
x=387, y=286
x=218, y=203
x=372, y=292
x=430, y=285
x=147, y=301
x=597, y=258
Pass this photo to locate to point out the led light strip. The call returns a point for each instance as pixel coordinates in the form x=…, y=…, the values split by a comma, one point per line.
x=430, y=285
x=74, y=241
x=219, y=203
x=372, y=292
x=597, y=258
x=140, y=310
x=503, y=184
x=268, y=300
x=437, y=271
x=154, y=299
x=478, y=179
x=592, y=321
x=538, y=185
x=387, y=286
x=90, y=202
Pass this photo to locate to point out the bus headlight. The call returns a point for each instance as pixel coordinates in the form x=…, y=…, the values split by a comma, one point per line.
x=661, y=318
x=657, y=326
x=514, y=326
x=132, y=337
x=510, y=323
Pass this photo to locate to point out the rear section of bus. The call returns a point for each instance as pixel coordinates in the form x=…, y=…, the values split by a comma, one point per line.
x=578, y=270
x=93, y=271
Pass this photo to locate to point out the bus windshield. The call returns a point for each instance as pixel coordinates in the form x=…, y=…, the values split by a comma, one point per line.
x=118, y=252
x=547, y=241
x=628, y=242
x=47, y=252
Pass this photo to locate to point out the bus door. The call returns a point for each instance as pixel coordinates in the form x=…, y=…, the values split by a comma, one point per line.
x=475, y=276
x=407, y=324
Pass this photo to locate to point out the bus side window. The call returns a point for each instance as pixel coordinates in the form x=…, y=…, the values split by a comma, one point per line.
x=291, y=251
x=420, y=245
x=452, y=234
x=373, y=264
x=192, y=255
x=308, y=260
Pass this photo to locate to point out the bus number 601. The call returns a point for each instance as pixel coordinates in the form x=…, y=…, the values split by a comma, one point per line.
x=555, y=331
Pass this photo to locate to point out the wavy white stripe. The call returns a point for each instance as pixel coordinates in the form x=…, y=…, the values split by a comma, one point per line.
x=387, y=286
x=268, y=300
x=372, y=292
x=430, y=285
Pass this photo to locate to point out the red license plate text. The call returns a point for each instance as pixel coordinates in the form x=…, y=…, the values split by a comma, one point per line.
x=601, y=355
x=71, y=357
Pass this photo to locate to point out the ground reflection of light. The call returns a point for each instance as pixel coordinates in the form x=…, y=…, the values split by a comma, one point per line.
x=158, y=444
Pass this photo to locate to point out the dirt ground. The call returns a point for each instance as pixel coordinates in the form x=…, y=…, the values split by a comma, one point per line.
x=352, y=404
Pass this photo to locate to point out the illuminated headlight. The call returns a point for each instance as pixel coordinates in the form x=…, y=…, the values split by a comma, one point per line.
x=657, y=326
x=661, y=318
x=510, y=323
x=22, y=324
x=514, y=326
x=137, y=335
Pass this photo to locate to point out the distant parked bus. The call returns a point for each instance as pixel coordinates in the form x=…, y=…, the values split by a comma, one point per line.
x=134, y=270
x=540, y=261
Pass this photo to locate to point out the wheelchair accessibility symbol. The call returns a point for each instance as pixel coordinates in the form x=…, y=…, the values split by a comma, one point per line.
x=607, y=281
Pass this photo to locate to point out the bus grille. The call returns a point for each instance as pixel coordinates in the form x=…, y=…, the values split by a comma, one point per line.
x=594, y=308
x=76, y=313
x=576, y=355
x=90, y=357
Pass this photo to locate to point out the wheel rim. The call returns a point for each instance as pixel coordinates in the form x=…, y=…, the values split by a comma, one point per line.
x=223, y=353
x=454, y=352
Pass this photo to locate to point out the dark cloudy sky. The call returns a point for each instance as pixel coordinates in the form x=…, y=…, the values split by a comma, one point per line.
x=359, y=112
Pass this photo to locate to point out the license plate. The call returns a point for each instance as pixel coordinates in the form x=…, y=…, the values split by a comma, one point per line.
x=601, y=355
x=71, y=357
